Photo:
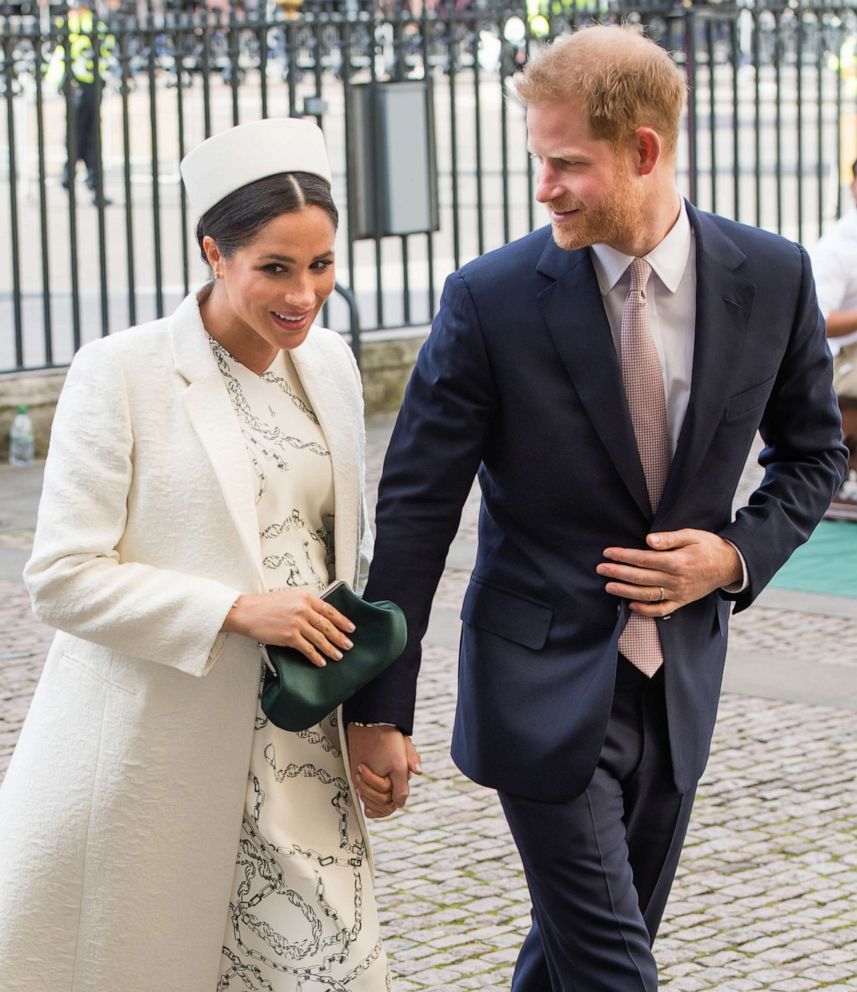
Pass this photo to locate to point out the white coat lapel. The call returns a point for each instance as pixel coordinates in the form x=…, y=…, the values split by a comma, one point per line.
x=326, y=378
x=207, y=403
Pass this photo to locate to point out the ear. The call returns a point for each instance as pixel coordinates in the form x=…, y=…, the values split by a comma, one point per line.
x=647, y=150
x=212, y=253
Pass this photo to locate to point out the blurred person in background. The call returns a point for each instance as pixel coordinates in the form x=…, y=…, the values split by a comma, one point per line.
x=834, y=265
x=85, y=33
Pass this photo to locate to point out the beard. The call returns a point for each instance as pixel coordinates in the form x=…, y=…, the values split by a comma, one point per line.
x=614, y=220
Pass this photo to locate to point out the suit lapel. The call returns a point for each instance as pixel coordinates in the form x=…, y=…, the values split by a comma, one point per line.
x=210, y=411
x=724, y=300
x=574, y=312
x=323, y=379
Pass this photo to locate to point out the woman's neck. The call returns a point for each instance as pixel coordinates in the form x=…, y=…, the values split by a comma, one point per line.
x=238, y=338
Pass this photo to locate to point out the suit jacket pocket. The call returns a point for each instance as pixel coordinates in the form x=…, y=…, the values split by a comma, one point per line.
x=748, y=399
x=507, y=615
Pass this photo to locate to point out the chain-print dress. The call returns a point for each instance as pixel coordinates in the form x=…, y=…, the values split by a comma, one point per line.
x=302, y=914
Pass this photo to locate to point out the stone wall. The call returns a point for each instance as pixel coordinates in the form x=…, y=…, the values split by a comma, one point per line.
x=388, y=357
x=39, y=391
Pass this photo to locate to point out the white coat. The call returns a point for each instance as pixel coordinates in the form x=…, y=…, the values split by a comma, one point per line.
x=121, y=810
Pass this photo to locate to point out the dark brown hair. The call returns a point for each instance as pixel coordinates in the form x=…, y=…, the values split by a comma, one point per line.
x=235, y=220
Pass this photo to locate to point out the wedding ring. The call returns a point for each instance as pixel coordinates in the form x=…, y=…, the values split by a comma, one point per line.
x=663, y=597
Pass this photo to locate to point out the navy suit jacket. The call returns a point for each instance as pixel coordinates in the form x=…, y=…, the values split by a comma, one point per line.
x=520, y=382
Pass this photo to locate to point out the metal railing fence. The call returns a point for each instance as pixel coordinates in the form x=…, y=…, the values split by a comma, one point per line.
x=768, y=138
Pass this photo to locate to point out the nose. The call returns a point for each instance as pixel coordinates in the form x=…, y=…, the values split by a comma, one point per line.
x=300, y=293
x=547, y=186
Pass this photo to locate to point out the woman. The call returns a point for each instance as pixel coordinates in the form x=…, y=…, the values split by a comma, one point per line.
x=204, y=483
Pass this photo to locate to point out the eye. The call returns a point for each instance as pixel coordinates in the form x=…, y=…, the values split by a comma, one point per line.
x=322, y=264
x=273, y=268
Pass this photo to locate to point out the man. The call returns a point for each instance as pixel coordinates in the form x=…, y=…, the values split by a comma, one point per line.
x=84, y=123
x=606, y=377
x=834, y=264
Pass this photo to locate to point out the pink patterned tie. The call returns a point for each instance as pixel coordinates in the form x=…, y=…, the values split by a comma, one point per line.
x=642, y=375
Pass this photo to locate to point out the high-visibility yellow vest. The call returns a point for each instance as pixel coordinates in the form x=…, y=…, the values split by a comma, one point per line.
x=83, y=32
x=540, y=12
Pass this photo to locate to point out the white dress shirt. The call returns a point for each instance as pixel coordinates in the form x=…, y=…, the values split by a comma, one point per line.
x=672, y=308
x=671, y=298
x=834, y=266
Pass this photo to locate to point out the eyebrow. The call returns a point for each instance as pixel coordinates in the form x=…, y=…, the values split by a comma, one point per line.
x=288, y=258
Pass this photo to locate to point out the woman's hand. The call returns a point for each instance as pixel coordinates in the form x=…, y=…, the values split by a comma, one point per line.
x=380, y=797
x=292, y=618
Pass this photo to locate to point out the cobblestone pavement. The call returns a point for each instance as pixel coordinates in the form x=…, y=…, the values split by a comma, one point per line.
x=766, y=896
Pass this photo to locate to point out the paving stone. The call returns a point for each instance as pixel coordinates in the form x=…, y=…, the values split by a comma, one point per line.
x=766, y=893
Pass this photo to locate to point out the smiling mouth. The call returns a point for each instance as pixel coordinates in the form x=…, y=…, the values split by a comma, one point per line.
x=559, y=214
x=286, y=319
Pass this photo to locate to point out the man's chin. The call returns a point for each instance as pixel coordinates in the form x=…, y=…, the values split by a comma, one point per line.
x=568, y=239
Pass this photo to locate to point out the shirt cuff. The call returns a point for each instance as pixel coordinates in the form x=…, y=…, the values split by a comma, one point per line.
x=737, y=587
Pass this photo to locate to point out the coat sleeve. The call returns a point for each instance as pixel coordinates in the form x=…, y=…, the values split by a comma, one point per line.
x=435, y=450
x=76, y=577
x=364, y=531
x=804, y=458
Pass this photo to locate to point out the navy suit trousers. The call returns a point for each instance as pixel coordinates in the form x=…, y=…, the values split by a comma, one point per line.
x=600, y=866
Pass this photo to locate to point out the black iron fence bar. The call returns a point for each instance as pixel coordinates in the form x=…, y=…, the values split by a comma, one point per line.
x=43, y=209
x=819, y=130
x=353, y=319
x=712, y=111
x=477, y=137
x=71, y=151
x=124, y=87
x=261, y=39
x=787, y=75
x=345, y=36
x=206, y=83
x=778, y=116
x=156, y=179
x=528, y=160
x=504, y=157
x=757, y=148
x=373, y=127
x=179, y=43
x=429, y=237
x=839, y=128
x=452, y=75
x=692, y=127
x=97, y=184
x=736, y=142
x=292, y=52
x=232, y=37
x=8, y=56
x=800, y=132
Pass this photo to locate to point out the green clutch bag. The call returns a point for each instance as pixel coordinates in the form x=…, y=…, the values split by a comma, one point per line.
x=296, y=694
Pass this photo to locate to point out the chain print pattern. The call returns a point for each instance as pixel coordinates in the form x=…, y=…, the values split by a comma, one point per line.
x=302, y=914
x=295, y=523
x=278, y=380
x=292, y=538
x=317, y=952
x=254, y=428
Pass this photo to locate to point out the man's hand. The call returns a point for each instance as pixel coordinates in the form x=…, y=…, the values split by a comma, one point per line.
x=683, y=566
x=382, y=759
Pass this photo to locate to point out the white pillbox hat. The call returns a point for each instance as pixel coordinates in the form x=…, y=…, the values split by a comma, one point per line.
x=232, y=159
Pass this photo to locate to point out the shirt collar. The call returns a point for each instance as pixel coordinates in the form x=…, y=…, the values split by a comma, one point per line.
x=668, y=259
